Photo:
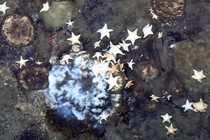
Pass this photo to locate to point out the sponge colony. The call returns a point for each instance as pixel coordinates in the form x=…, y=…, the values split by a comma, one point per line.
x=17, y=30
x=33, y=78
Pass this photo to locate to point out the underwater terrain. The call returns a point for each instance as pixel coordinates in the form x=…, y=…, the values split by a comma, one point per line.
x=104, y=70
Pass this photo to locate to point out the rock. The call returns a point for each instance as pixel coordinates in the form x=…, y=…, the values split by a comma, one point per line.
x=189, y=56
x=58, y=14
x=9, y=115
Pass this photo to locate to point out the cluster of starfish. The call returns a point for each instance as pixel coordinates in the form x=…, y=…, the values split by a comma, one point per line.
x=106, y=63
x=117, y=49
x=102, y=62
x=199, y=106
x=171, y=129
x=22, y=62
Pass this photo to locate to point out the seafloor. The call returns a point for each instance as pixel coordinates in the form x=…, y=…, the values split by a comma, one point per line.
x=164, y=64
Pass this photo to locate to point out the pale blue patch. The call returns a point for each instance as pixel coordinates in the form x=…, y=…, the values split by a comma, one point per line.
x=69, y=95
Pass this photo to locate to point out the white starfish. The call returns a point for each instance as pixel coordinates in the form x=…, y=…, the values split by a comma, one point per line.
x=154, y=98
x=160, y=34
x=115, y=49
x=22, y=62
x=132, y=36
x=104, y=31
x=130, y=64
x=125, y=45
x=154, y=16
x=103, y=116
x=147, y=30
x=168, y=97
x=74, y=38
x=112, y=81
x=198, y=75
x=3, y=7
x=166, y=118
x=83, y=63
x=187, y=105
x=65, y=59
x=97, y=55
x=45, y=7
x=97, y=44
x=70, y=23
x=100, y=68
